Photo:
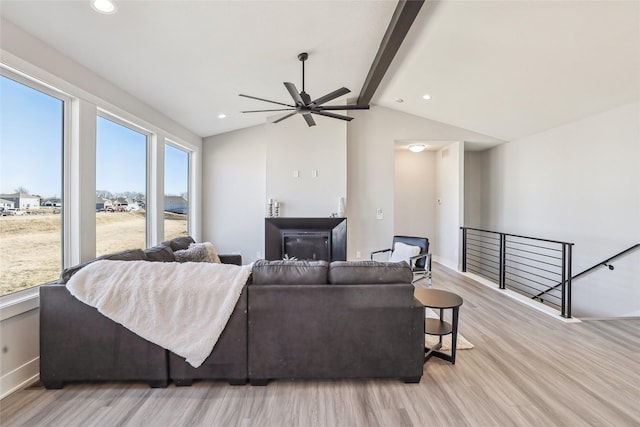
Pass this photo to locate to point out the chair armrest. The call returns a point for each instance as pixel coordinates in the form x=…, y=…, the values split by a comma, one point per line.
x=427, y=264
x=379, y=252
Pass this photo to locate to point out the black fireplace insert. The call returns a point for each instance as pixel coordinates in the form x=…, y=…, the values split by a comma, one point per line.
x=306, y=238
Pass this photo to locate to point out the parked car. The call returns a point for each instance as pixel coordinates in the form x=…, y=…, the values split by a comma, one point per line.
x=117, y=208
x=13, y=212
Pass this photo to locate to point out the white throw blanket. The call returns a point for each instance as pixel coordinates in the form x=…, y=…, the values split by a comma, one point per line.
x=183, y=307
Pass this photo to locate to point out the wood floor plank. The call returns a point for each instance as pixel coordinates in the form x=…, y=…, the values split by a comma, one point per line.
x=527, y=369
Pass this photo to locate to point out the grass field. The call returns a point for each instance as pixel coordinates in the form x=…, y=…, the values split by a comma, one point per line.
x=30, y=252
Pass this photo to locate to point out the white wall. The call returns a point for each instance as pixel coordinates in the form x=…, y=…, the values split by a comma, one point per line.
x=473, y=187
x=292, y=146
x=244, y=168
x=414, y=208
x=260, y=161
x=578, y=183
x=449, y=203
x=370, y=172
x=234, y=192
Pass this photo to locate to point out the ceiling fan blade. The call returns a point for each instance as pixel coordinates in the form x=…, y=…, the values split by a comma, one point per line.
x=341, y=107
x=266, y=100
x=286, y=116
x=309, y=120
x=333, y=116
x=294, y=93
x=333, y=95
x=263, y=111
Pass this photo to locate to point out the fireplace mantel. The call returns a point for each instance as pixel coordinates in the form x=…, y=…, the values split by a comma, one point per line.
x=276, y=228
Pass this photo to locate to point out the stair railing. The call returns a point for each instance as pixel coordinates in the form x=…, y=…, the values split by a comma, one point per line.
x=605, y=263
x=524, y=264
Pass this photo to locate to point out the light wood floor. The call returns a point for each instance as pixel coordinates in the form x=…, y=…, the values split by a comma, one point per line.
x=526, y=369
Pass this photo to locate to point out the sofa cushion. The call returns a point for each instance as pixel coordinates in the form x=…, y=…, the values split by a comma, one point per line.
x=128, y=255
x=369, y=272
x=179, y=243
x=160, y=253
x=289, y=272
x=198, y=252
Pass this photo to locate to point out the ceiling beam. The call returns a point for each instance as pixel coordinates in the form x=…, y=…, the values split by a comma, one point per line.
x=401, y=21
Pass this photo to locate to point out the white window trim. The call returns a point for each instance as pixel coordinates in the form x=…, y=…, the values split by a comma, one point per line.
x=150, y=216
x=190, y=201
x=25, y=300
x=60, y=85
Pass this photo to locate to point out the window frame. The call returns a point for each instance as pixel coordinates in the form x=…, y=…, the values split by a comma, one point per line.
x=15, y=299
x=190, y=172
x=149, y=139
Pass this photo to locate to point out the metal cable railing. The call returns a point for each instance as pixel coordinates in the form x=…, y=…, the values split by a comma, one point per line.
x=538, y=268
x=604, y=263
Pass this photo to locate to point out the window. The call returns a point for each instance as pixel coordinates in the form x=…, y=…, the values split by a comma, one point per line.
x=121, y=196
x=31, y=153
x=176, y=192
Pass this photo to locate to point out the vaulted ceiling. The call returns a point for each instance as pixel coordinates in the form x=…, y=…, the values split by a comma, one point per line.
x=506, y=69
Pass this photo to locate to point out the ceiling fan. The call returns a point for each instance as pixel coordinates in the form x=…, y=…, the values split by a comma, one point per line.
x=305, y=106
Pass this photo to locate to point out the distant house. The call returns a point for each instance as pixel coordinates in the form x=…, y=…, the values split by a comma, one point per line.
x=22, y=200
x=175, y=204
x=134, y=205
x=6, y=204
x=120, y=204
x=102, y=203
x=52, y=202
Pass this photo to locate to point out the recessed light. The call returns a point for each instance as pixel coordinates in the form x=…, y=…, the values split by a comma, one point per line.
x=416, y=148
x=104, y=6
x=426, y=96
x=222, y=116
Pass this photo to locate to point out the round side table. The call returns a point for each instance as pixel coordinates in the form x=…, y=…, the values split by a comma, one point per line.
x=441, y=300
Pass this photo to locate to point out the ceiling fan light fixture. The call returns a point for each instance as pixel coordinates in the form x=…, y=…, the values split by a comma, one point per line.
x=417, y=148
x=106, y=7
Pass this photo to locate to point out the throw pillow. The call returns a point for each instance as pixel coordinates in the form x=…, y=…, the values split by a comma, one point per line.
x=160, y=253
x=128, y=255
x=179, y=243
x=197, y=252
x=402, y=252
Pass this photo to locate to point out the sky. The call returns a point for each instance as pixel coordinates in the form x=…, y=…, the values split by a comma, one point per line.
x=31, y=148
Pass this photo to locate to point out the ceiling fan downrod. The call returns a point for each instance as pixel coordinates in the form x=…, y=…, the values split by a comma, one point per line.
x=303, y=57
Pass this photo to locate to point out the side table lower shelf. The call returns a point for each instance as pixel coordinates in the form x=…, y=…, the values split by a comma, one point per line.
x=440, y=300
x=439, y=328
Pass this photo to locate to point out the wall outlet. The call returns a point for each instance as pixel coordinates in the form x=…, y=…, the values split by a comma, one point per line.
x=296, y=174
x=259, y=255
x=358, y=254
x=379, y=214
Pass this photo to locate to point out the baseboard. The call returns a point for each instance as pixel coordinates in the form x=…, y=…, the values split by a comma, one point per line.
x=445, y=263
x=20, y=378
x=521, y=298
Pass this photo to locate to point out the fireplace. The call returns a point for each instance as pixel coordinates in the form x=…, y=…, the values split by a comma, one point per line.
x=306, y=238
x=312, y=245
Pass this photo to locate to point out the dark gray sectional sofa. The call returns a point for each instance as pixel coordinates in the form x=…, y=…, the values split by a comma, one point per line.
x=315, y=320
x=293, y=320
